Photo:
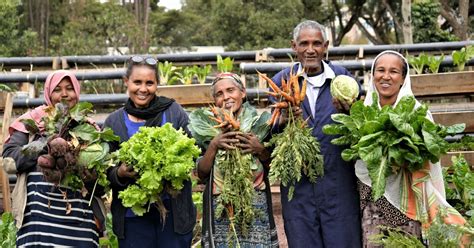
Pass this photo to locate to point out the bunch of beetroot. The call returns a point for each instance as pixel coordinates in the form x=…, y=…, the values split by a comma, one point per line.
x=76, y=150
x=61, y=161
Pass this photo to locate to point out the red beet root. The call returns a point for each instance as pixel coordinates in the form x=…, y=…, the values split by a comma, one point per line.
x=46, y=161
x=58, y=147
x=61, y=163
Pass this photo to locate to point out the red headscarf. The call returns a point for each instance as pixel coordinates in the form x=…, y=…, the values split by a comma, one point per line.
x=38, y=113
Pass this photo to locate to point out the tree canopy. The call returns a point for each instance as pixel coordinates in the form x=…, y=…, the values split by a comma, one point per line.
x=63, y=27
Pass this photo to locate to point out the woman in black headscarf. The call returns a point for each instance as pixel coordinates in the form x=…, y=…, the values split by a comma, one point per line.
x=145, y=108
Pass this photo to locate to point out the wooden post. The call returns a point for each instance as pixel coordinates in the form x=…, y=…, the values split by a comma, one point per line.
x=6, y=198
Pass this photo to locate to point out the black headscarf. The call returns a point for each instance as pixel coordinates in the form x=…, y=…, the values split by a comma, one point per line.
x=152, y=113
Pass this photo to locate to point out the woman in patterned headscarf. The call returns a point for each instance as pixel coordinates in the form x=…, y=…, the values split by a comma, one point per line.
x=411, y=199
x=229, y=94
x=48, y=214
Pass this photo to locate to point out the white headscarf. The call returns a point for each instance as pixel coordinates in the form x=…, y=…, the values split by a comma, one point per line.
x=433, y=185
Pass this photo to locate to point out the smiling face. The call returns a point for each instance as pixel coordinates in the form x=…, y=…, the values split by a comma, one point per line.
x=310, y=48
x=64, y=91
x=141, y=85
x=388, y=78
x=228, y=95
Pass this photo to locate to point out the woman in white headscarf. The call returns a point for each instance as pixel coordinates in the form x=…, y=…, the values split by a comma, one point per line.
x=411, y=199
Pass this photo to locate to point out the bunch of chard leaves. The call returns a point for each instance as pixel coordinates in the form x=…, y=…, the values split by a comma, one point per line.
x=237, y=193
x=390, y=138
x=296, y=151
x=163, y=157
x=89, y=143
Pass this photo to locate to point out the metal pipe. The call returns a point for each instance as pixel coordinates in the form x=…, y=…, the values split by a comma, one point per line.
x=40, y=76
x=362, y=64
x=283, y=53
x=249, y=68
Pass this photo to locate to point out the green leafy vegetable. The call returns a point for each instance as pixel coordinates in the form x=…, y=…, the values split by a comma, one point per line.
x=237, y=193
x=7, y=231
x=296, y=151
x=390, y=138
x=77, y=150
x=163, y=157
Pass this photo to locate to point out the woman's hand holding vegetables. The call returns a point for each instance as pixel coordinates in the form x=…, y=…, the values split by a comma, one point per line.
x=225, y=140
x=126, y=171
x=249, y=143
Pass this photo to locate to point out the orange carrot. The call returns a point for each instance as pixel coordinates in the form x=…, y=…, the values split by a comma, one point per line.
x=296, y=91
x=280, y=105
x=272, y=93
x=270, y=82
x=214, y=110
x=284, y=85
x=222, y=124
x=274, y=117
x=288, y=97
x=303, y=90
x=218, y=120
x=235, y=124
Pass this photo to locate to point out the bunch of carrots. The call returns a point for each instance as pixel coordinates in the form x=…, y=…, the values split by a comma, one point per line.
x=295, y=151
x=224, y=118
x=237, y=191
x=290, y=94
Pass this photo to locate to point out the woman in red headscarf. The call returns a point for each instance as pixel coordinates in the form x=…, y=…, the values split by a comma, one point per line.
x=48, y=214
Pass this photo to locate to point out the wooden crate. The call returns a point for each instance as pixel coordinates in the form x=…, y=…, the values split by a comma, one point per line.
x=443, y=83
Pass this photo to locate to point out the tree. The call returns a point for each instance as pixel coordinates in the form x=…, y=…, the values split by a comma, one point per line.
x=93, y=26
x=425, y=23
x=15, y=41
x=458, y=18
x=354, y=10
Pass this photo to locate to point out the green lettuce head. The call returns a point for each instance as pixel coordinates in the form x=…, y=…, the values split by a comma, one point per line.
x=344, y=88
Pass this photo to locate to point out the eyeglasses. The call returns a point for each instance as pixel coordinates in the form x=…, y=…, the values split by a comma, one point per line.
x=143, y=60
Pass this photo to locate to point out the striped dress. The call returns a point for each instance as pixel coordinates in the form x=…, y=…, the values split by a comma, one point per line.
x=56, y=216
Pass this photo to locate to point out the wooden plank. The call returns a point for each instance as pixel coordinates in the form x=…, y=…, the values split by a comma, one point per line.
x=6, y=118
x=5, y=185
x=468, y=155
x=451, y=107
x=443, y=83
x=199, y=94
x=451, y=118
x=6, y=198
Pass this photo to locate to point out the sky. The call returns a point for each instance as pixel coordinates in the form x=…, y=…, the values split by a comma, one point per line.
x=170, y=4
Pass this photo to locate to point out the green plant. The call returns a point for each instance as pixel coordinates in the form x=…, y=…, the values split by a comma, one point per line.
x=438, y=235
x=201, y=72
x=389, y=138
x=434, y=63
x=167, y=73
x=7, y=231
x=4, y=87
x=163, y=157
x=459, y=180
x=110, y=240
x=462, y=56
x=418, y=63
x=465, y=144
x=225, y=65
x=186, y=75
